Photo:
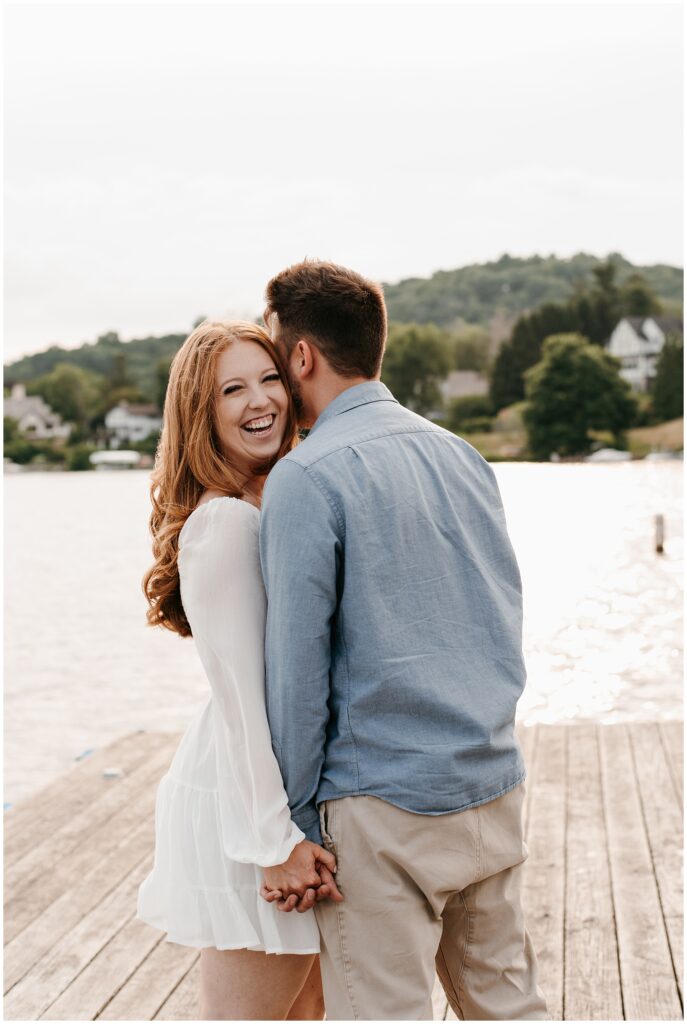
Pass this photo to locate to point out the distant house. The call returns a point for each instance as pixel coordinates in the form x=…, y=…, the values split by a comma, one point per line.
x=128, y=422
x=461, y=383
x=34, y=417
x=637, y=341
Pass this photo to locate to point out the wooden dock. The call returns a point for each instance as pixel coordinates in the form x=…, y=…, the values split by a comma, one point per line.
x=603, y=888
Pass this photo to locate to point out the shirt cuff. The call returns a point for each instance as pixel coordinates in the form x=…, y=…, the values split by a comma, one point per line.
x=308, y=820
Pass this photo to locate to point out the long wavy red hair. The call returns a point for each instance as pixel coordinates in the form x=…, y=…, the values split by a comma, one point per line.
x=189, y=459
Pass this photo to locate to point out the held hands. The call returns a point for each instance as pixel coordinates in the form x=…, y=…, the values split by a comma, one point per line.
x=304, y=879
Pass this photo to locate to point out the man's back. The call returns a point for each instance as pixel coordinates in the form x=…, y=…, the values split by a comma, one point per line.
x=418, y=627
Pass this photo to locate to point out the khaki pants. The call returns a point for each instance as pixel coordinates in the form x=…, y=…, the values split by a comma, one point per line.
x=421, y=893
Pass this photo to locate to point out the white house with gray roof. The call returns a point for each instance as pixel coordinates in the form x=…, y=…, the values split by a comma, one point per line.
x=637, y=342
x=35, y=419
x=130, y=422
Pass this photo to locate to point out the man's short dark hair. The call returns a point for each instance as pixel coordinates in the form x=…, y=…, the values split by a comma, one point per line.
x=340, y=312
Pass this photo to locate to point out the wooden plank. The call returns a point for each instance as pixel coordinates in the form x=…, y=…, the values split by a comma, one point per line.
x=36, y=818
x=439, y=1000
x=90, y=992
x=78, y=830
x=84, y=895
x=672, y=736
x=664, y=827
x=592, y=977
x=47, y=979
x=80, y=847
x=184, y=1000
x=148, y=988
x=85, y=955
x=544, y=875
x=648, y=982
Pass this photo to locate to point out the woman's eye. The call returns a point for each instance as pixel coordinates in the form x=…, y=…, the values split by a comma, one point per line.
x=230, y=390
x=272, y=376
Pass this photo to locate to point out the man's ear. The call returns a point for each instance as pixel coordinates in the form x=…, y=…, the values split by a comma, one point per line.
x=302, y=359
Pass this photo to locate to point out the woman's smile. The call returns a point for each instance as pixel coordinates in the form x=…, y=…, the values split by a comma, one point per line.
x=260, y=427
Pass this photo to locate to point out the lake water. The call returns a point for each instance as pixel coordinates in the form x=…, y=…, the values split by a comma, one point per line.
x=603, y=611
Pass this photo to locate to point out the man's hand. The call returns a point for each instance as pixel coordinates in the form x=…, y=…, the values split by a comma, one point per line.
x=299, y=872
x=301, y=881
x=327, y=890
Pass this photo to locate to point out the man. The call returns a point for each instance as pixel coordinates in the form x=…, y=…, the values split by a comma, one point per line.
x=394, y=665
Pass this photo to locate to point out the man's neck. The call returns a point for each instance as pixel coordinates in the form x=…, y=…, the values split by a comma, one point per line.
x=331, y=388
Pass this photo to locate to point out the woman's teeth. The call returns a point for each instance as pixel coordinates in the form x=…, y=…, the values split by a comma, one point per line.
x=259, y=427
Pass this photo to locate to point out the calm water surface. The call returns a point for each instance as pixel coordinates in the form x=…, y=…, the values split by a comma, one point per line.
x=603, y=626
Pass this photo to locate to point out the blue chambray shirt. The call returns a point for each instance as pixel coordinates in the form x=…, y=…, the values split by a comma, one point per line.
x=394, y=624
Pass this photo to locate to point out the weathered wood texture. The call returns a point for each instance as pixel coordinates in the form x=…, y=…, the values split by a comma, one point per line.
x=602, y=885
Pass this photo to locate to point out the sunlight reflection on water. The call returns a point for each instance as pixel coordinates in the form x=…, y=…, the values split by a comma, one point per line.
x=603, y=611
x=602, y=636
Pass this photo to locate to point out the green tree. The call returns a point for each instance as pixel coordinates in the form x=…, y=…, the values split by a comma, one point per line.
x=637, y=298
x=604, y=300
x=465, y=412
x=516, y=356
x=120, y=384
x=575, y=388
x=162, y=368
x=668, y=393
x=10, y=431
x=471, y=347
x=417, y=359
x=20, y=451
x=79, y=457
x=119, y=373
x=75, y=394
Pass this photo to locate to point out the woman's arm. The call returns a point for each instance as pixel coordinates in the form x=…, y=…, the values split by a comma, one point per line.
x=224, y=598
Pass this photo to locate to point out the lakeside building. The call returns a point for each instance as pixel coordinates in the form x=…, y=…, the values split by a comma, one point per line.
x=637, y=342
x=459, y=384
x=464, y=383
x=34, y=417
x=129, y=422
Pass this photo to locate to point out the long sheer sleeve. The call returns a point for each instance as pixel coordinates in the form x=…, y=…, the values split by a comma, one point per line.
x=224, y=600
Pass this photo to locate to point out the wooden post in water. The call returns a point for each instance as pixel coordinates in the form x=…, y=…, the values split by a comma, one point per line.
x=660, y=532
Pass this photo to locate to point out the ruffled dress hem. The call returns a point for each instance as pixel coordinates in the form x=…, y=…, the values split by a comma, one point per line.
x=201, y=898
x=222, y=922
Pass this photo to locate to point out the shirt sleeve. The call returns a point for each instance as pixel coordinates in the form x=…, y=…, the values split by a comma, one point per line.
x=300, y=554
x=223, y=587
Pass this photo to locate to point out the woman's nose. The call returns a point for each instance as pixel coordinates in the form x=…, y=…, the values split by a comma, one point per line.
x=258, y=398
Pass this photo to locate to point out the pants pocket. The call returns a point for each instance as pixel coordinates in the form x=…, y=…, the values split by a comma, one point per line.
x=327, y=840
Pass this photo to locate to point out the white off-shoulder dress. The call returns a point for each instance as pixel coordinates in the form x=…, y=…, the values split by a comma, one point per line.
x=222, y=813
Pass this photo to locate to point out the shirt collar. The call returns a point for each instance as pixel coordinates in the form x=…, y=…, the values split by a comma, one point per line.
x=351, y=398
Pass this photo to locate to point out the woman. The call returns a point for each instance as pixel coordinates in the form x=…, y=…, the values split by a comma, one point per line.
x=222, y=813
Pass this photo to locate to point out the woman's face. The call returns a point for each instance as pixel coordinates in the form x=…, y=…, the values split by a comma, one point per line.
x=251, y=404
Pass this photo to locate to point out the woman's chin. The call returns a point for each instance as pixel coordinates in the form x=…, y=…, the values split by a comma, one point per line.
x=263, y=456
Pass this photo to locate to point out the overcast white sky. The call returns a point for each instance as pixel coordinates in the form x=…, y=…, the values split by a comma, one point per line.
x=163, y=161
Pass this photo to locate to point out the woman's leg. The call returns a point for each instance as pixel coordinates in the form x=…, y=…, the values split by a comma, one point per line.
x=309, y=1004
x=238, y=984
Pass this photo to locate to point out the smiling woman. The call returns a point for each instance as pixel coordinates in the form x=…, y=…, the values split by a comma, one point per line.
x=221, y=813
x=251, y=405
x=226, y=381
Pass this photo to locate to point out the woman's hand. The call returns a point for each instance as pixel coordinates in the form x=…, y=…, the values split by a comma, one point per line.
x=304, y=879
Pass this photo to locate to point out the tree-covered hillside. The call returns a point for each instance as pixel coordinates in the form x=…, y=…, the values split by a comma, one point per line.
x=143, y=356
x=492, y=295
x=475, y=294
